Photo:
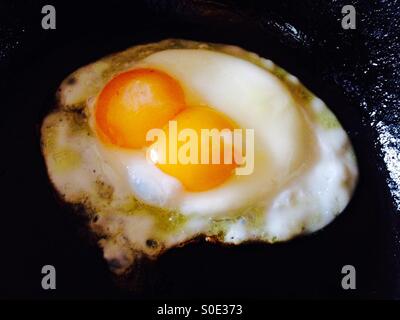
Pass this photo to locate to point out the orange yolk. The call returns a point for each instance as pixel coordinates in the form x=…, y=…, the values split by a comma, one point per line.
x=198, y=176
x=134, y=102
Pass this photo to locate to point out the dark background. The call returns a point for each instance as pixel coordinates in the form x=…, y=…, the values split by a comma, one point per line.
x=356, y=72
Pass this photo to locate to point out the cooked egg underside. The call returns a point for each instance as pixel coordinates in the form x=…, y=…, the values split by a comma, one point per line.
x=130, y=224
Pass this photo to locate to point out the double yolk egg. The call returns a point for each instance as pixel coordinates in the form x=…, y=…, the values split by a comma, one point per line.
x=137, y=101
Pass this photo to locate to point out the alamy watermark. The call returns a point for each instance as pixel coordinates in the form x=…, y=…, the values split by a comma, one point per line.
x=49, y=19
x=349, y=280
x=204, y=148
x=349, y=18
x=49, y=278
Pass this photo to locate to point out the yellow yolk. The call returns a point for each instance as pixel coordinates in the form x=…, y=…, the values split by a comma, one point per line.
x=134, y=102
x=197, y=175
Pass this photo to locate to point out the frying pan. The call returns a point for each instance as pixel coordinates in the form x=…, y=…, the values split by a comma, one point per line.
x=356, y=72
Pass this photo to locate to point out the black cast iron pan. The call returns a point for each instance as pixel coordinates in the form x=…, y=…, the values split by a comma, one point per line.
x=356, y=72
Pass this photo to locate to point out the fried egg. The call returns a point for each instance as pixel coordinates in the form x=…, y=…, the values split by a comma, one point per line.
x=294, y=172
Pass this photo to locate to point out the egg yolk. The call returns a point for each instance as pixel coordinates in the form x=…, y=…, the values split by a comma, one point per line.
x=134, y=102
x=198, y=176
